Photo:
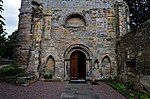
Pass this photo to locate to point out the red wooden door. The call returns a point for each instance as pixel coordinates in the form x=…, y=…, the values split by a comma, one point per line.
x=74, y=66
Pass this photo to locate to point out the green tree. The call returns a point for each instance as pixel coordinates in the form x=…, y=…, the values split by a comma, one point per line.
x=6, y=44
x=2, y=31
x=1, y=9
x=139, y=11
x=10, y=45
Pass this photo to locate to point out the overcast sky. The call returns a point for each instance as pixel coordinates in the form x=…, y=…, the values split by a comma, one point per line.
x=10, y=13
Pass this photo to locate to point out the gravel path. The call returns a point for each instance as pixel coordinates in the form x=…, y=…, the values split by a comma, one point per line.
x=106, y=92
x=51, y=90
x=38, y=90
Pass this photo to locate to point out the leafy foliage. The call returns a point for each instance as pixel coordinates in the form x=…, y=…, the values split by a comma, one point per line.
x=6, y=44
x=119, y=86
x=11, y=71
x=139, y=11
x=2, y=31
x=10, y=45
x=48, y=76
x=132, y=93
x=1, y=9
x=143, y=95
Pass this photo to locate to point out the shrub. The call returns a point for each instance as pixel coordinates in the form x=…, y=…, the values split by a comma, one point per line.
x=22, y=75
x=143, y=95
x=10, y=71
x=48, y=76
x=132, y=94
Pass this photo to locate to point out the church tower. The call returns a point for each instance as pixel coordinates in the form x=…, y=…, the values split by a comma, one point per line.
x=70, y=39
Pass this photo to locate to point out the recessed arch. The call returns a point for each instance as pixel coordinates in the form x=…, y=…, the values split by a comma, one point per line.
x=106, y=57
x=106, y=66
x=78, y=47
x=76, y=51
x=96, y=64
x=75, y=20
x=50, y=63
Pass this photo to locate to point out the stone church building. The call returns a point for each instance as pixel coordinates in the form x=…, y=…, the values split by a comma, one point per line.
x=72, y=39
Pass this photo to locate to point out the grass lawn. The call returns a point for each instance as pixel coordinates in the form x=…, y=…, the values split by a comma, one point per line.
x=129, y=93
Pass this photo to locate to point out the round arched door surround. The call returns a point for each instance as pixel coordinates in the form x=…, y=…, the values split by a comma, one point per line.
x=78, y=62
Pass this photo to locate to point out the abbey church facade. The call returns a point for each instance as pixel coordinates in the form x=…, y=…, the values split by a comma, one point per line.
x=72, y=39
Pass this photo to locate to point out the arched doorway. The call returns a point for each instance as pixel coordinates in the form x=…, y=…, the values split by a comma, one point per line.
x=82, y=54
x=77, y=65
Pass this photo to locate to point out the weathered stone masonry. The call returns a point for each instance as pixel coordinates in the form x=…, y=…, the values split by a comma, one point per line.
x=134, y=57
x=52, y=31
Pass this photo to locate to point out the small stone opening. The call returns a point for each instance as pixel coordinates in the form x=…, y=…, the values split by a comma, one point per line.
x=131, y=65
x=96, y=64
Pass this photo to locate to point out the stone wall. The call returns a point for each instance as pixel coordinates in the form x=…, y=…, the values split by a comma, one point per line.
x=57, y=28
x=134, y=55
x=24, y=37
